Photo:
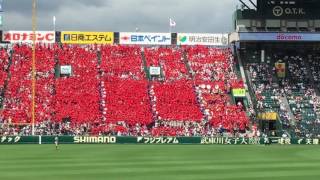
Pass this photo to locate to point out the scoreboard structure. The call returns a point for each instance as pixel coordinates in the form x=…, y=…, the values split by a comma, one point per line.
x=290, y=9
x=266, y=28
x=278, y=15
x=275, y=24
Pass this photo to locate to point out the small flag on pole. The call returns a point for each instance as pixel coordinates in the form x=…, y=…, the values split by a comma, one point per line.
x=172, y=23
x=54, y=22
x=1, y=2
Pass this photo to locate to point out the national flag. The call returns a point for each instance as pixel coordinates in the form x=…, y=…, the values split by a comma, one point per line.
x=1, y=2
x=172, y=23
x=54, y=20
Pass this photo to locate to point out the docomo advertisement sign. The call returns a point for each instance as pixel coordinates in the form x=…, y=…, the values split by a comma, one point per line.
x=289, y=37
x=202, y=39
x=315, y=37
x=145, y=38
x=27, y=36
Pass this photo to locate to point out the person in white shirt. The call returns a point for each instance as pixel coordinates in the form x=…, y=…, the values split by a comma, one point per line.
x=56, y=142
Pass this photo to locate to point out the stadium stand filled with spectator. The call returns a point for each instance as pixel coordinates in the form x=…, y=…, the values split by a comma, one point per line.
x=109, y=91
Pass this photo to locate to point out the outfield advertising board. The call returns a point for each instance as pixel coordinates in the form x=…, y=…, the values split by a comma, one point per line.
x=27, y=36
x=19, y=139
x=94, y=139
x=230, y=141
x=252, y=141
x=140, y=38
x=153, y=140
x=202, y=39
x=75, y=37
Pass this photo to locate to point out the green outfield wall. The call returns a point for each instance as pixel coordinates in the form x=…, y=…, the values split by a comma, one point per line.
x=151, y=140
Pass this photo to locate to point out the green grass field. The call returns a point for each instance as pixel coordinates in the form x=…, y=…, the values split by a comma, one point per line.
x=159, y=162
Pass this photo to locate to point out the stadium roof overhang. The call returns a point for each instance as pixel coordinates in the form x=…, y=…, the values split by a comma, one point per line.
x=248, y=5
x=274, y=37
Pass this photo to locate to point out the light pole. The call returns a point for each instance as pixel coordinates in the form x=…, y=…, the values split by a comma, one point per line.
x=33, y=75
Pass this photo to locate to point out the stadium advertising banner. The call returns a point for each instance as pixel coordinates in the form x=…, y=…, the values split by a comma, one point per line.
x=291, y=37
x=67, y=69
x=154, y=71
x=253, y=141
x=153, y=140
x=73, y=37
x=145, y=38
x=280, y=69
x=239, y=92
x=202, y=39
x=27, y=36
x=268, y=116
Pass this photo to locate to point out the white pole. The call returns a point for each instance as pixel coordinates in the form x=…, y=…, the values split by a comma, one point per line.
x=54, y=23
x=169, y=25
x=1, y=2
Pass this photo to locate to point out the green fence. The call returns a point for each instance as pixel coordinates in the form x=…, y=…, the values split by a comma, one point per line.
x=151, y=140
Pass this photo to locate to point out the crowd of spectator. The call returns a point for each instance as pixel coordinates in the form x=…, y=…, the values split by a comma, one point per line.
x=17, y=103
x=170, y=60
x=107, y=92
x=214, y=78
x=4, y=65
x=298, y=88
x=77, y=95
